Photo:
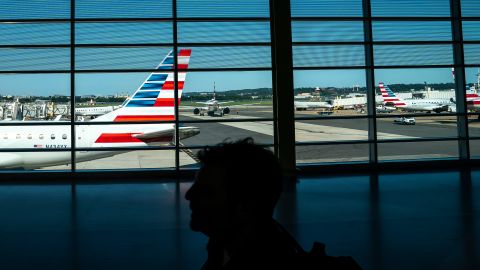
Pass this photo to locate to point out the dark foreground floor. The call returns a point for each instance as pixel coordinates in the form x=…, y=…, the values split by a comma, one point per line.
x=398, y=221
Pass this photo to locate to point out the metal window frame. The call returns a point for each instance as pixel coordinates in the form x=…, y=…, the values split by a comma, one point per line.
x=279, y=40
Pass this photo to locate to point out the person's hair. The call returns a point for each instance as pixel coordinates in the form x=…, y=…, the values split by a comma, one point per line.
x=253, y=173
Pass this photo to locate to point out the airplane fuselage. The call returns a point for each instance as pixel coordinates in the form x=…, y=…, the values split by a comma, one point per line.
x=59, y=137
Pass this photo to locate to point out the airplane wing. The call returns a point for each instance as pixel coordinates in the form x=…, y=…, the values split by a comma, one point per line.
x=167, y=135
x=204, y=103
x=224, y=102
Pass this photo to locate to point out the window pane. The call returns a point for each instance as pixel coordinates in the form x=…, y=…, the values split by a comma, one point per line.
x=39, y=160
x=40, y=9
x=470, y=8
x=120, y=58
x=223, y=32
x=123, y=33
x=475, y=148
x=140, y=135
x=330, y=130
x=107, y=87
x=472, y=89
x=147, y=159
x=34, y=33
x=473, y=126
x=417, y=150
x=238, y=95
x=435, y=126
x=390, y=55
x=230, y=57
x=412, y=31
x=472, y=54
x=224, y=8
x=215, y=133
x=331, y=153
x=321, y=56
x=329, y=92
x=333, y=8
x=409, y=8
x=123, y=9
x=470, y=30
x=415, y=90
x=16, y=59
x=322, y=31
x=34, y=96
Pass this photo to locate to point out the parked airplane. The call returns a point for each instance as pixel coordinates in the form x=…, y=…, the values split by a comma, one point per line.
x=213, y=106
x=93, y=112
x=152, y=101
x=426, y=105
x=306, y=105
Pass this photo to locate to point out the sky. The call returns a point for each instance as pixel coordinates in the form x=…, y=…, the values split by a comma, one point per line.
x=223, y=57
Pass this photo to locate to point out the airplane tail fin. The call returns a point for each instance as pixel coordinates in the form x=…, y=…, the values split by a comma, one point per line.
x=389, y=97
x=154, y=100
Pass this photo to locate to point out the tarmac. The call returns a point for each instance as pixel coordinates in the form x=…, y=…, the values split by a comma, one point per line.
x=318, y=130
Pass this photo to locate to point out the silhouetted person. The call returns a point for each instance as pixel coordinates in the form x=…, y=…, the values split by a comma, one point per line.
x=232, y=202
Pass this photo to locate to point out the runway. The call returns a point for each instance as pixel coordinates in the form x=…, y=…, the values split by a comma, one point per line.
x=318, y=130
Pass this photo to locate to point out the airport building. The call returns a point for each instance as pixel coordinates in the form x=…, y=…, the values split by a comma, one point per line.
x=372, y=108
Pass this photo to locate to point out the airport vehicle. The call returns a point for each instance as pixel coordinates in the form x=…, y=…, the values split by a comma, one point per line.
x=325, y=113
x=152, y=101
x=212, y=107
x=405, y=120
x=425, y=105
x=306, y=105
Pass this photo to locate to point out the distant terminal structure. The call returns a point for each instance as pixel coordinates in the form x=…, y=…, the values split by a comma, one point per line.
x=38, y=110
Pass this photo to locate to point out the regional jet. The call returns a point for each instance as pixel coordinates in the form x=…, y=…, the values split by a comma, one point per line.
x=305, y=105
x=426, y=105
x=212, y=106
x=152, y=101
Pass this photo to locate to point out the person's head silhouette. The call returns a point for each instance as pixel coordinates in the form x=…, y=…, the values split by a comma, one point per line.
x=237, y=186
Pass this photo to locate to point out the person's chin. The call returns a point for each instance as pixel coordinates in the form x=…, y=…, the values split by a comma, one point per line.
x=195, y=225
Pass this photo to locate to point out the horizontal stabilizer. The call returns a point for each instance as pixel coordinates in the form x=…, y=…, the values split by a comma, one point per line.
x=167, y=135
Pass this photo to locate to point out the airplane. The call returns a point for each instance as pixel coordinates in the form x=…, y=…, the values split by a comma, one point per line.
x=93, y=112
x=212, y=107
x=152, y=101
x=427, y=105
x=305, y=105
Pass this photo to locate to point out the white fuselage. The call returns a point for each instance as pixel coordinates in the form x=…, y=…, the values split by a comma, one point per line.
x=94, y=111
x=59, y=137
x=304, y=105
x=426, y=104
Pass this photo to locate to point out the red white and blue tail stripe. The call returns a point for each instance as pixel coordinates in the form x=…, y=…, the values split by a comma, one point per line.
x=154, y=100
x=389, y=98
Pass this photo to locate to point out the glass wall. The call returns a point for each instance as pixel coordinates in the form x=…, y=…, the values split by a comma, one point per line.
x=86, y=85
x=401, y=53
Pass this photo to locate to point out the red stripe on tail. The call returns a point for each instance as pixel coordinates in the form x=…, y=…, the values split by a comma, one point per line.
x=165, y=102
x=168, y=85
x=185, y=52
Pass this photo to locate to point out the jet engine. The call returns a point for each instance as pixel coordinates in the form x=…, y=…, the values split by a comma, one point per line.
x=196, y=111
x=226, y=110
